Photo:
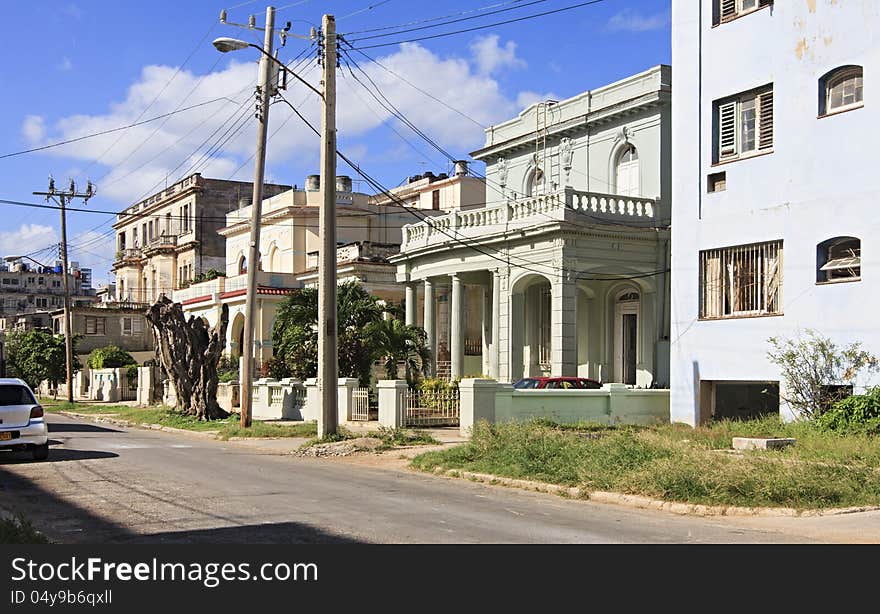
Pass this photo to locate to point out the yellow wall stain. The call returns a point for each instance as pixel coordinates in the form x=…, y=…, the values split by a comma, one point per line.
x=801, y=48
x=811, y=4
x=828, y=40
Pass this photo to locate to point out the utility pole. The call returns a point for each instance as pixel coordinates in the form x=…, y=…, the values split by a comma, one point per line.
x=63, y=197
x=328, y=366
x=253, y=262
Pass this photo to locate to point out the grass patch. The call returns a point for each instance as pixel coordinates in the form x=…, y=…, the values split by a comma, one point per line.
x=19, y=531
x=678, y=463
x=164, y=416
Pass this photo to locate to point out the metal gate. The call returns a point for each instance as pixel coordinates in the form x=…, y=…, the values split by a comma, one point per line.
x=360, y=411
x=128, y=387
x=431, y=407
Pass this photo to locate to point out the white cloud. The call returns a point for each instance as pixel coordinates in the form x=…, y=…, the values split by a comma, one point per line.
x=27, y=236
x=146, y=155
x=489, y=56
x=65, y=64
x=528, y=98
x=33, y=128
x=629, y=20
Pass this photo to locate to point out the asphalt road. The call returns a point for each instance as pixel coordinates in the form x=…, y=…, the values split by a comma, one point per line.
x=112, y=485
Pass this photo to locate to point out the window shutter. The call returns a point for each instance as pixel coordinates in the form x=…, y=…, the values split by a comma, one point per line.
x=728, y=9
x=765, y=108
x=727, y=137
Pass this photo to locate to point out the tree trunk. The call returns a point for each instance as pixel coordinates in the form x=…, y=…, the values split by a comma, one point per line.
x=189, y=352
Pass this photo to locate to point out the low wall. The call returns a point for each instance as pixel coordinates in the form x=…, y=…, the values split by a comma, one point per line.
x=278, y=400
x=612, y=404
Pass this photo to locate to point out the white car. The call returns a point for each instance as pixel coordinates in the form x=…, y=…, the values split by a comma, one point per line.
x=22, y=425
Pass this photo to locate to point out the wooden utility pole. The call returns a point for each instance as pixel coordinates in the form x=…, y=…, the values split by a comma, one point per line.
x=63, y=198
x=328, y=366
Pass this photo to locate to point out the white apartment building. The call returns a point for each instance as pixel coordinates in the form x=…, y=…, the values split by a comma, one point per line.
x=772, y=205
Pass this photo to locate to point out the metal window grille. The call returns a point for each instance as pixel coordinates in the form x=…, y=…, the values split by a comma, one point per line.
x=741, y=281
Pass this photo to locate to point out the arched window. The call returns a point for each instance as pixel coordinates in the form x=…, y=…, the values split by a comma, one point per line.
x=628, y=172
x=839, y=259
x=242, y=265
x=841, y=89
x=536, y=182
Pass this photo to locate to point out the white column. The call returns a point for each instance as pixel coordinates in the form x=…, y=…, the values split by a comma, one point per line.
x=410, y=305
x=563, y=327
x=430, y=328
x=486, y=296
x=456, y=336
x=495, y=348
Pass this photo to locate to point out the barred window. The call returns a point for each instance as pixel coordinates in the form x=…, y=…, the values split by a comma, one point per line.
x=741, y=281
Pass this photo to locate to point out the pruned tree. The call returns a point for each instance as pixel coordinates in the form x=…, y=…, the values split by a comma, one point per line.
x=817, y=372
x=189, y=352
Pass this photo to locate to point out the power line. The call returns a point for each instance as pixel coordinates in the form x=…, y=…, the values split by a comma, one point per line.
x=432, y=19
x=365, y=9
x=484, y=26
x=112, y=130
x=417, y=88
x=444, y=23
x=149, y=106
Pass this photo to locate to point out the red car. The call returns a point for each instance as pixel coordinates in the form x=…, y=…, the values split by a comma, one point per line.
x=557, y=383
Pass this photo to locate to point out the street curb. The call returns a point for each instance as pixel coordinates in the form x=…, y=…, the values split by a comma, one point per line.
x=642, y=502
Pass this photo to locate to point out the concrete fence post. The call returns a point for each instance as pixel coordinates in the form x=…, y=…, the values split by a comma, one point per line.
x=312, y=408
x=391, y=402
x=345, y=401
x=617, y=401
x=476, y=402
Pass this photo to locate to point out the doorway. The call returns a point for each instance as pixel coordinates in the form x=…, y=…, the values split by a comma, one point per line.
x=626, y=338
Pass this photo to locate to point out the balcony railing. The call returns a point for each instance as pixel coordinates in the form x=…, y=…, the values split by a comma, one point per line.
x=132, y=253
x=162, y=241
x=563, y=206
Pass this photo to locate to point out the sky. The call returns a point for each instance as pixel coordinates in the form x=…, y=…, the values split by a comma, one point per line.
x=75, y=68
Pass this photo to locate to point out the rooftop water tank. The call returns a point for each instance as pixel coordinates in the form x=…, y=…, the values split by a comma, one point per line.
x=343, y=184
x=313, y=183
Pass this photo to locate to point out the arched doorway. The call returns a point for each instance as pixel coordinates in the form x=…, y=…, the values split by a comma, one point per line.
x=530, y=328
x=236, y=337
x=627, y=172
x=627, y=312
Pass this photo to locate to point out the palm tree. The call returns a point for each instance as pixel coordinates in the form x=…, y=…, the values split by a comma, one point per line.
x=295, y=335
x=395, y=343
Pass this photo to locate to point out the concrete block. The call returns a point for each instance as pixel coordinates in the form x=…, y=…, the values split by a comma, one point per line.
x=761, y=443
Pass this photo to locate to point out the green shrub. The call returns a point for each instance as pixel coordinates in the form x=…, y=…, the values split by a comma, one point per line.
x=227, y=370
x=436, y=384
x=859, y=413
x=110, y=357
